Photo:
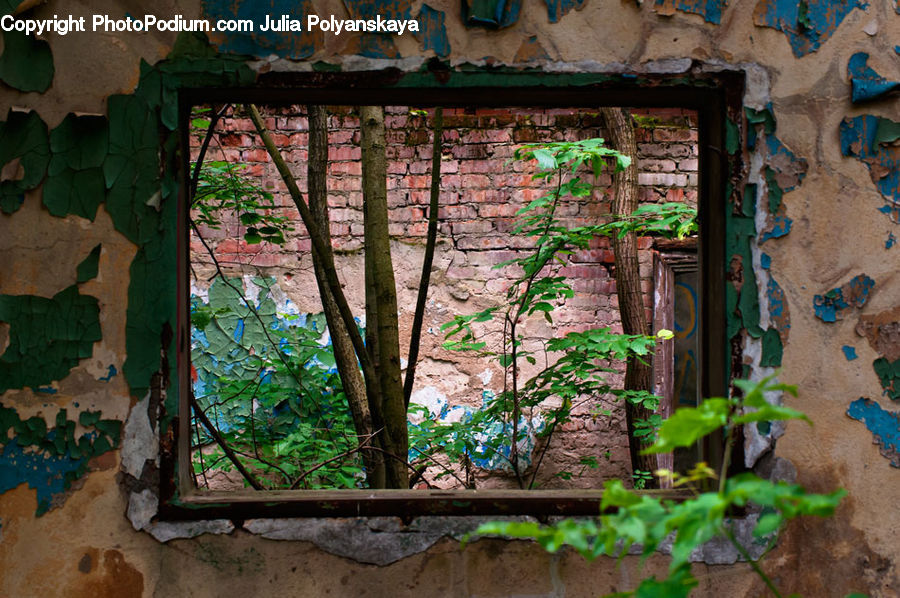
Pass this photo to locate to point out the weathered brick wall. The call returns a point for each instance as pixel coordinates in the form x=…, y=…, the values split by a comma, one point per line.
x=481, y=191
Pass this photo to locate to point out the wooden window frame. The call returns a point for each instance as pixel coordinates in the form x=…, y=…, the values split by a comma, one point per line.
x=713, y=95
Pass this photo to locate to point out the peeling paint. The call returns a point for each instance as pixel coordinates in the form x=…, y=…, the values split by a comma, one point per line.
x=710, y=10
x=779, y=314
x=376, y=45
x=24, y=156
x=49, y=460
x=870, y=139
x=849, y=352
x=433, y=34
x=888, y=373
x=865, y=83
x=557, y=9
x=884, y=425
x=74, y=182
x=531, y=50
x=855, y=293
x=882, y=330
x=285, y=44
x=807, y=23
x=493, y=14
x=47, y=336
x=27, y=62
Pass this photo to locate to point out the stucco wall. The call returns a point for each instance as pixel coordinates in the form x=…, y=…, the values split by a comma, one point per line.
x=835, y=221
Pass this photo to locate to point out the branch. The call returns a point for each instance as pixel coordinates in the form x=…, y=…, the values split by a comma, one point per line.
x=416, y=334
x=221, y=442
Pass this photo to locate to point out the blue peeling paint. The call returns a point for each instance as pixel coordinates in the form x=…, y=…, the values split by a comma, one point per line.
x=47, y=390
x=891, y=241
x=433, y=34
x=556, y=9
x=865, y=83
x=853, y=294
x=869, y=139
x=110, y=373
x=285, y=44
x=49, y=475
x=884, y=425
x=778, y=308
x=378, y=45
x=781, y=226
x=765, y=260
x=493, y=14
x=710, y=10
x=849, y=352
x=807, y=23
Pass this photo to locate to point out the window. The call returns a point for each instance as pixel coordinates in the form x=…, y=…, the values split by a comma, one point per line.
x=260, y=402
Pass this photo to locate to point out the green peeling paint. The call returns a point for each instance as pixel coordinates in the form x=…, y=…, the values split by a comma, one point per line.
x=26, y=63
x=889, y=374
x=74, y=178
x=89, y=267
x=23, y=138
x=48, y=460
x=47, y=337
x=772, y=349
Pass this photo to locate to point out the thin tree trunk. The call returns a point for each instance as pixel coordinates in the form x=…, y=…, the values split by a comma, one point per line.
x=416, y=333
x=319, y=247
x=382, y=298
x=638, y=375
x=344, y=356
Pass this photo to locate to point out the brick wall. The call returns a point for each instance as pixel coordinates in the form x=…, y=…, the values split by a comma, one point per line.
x=480, y=194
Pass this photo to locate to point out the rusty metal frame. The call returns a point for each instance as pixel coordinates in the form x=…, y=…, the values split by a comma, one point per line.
x=716, y=96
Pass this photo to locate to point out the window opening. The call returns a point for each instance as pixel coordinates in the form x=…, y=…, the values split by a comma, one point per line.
x=266, y=408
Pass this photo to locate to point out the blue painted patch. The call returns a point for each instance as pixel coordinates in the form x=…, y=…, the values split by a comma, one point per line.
x=849, y=352
x=493, y=14
x=765, y=260
x=49, y=475
x=781, y=226
x=853, y=294
x=865, y=83
x=556, y=9
x=110, y=373
x=884, y=425
x=285, y=44
x=710, y=10
x=869, y=139
x=47, y=390
x=807, y=23
x=891, y=241
x=778, y=308
x=433, y=31
x=378, y=45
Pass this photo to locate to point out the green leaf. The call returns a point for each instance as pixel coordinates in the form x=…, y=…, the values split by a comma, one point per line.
x=544, y=159
x=688, y=424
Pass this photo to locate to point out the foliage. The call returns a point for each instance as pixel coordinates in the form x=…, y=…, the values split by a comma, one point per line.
x=280, y=406
x=581, y=374
x=223, y=187
x=634, y=519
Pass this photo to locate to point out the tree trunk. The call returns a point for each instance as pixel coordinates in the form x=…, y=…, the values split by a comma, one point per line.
x=344, y=356
x=381, y=301
x=638, y=375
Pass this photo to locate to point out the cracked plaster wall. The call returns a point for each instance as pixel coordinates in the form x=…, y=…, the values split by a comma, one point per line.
x=86, y=546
